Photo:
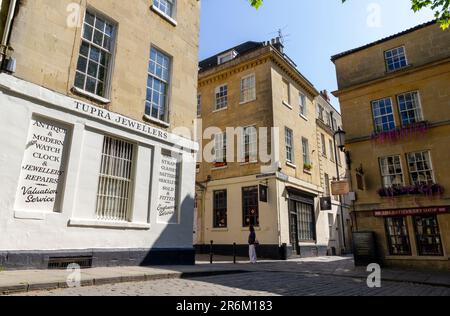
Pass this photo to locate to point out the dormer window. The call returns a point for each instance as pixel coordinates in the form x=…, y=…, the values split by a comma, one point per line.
x=226, y=57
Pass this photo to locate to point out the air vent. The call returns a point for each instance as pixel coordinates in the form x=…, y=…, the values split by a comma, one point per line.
x=63, y=263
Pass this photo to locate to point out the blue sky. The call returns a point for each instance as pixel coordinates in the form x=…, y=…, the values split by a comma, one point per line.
x=315, y=29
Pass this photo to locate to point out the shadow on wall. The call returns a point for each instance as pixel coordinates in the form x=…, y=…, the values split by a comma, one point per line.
x=166, y=250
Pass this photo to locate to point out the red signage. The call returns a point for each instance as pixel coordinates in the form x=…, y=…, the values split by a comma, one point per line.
x=413, y=211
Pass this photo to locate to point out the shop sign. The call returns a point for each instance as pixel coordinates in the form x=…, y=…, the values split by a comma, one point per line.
x=340, y=187
x=43, y=167
x=413, y=211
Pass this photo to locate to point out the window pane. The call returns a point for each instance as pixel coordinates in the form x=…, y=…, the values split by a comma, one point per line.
x=250, y=206
x=397, y=236
x=428, y=236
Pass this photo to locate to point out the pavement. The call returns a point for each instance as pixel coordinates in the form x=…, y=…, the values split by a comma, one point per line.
x=332, y=267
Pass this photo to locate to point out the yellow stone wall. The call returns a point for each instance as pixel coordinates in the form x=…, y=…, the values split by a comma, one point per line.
x=46, y=49
x=362, y=79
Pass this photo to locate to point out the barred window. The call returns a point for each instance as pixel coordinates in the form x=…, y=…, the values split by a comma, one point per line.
x=116, y=180
x=220, y=209
x=250, y=206
x=248, y=89
x=398, y=237
x=158, y=85
x=429, y=242
x=410, y=108
x=383, y=115
x=420, y=168
x=395, y=59
x=94, y=61
x=289, y=140
x=165, y=6
x=221, y=97
x=391, y=171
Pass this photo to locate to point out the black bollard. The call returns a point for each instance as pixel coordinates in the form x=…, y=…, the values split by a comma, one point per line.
x=234, y=253
x=211, y=252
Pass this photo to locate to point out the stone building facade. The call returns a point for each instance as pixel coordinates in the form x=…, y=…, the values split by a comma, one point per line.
x=257, y=116
x=98, y=108
x=395, y=99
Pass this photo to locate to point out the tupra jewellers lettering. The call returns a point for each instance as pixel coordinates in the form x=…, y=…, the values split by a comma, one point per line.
x=120, y=120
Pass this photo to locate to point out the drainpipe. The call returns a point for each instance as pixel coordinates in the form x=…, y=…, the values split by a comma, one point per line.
x=7, y=31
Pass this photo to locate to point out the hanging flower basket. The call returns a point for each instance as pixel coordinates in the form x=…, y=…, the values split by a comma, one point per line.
x=411, y=130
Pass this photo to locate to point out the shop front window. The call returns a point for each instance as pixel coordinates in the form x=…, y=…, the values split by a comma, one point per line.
x=428, y=236
x=397, y=236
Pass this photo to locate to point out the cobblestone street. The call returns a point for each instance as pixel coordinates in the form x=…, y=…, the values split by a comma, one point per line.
x=254, y=284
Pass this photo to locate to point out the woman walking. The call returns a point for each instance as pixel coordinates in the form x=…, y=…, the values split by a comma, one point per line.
x=252, y=245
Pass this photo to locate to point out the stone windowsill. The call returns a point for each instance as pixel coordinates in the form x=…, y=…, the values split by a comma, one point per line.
x=248, y=101
x=437, y=258
x=220, y=110
x=287, y=105
x=164, y=16
x=289, y=164
x=304, y=117
x=156, y=121
x=108, y=224
x=90, y=95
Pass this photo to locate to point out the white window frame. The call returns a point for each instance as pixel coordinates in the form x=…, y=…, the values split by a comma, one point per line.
x=386, y=58
x=248, y=88
x=416, y=169
x=386, y=174
x=221, y=99
x=305, y=151
x=160, y=4
x=320, y=112
x=287, y=84
x=416, y=100
x=249, y=149
x=111, y=53
x=303, y=105
x=332, y=153
x=220, y=148
x=324, y=145
x=161, y=79
x=289, y=144
x=375, y=116
x=116, y=171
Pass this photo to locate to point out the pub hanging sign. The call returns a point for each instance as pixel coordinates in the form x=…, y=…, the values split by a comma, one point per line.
x=263, y=193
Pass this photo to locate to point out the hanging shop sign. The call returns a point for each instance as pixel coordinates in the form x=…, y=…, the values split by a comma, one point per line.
x=263, y=193
x=325, y=203
x=340, y=187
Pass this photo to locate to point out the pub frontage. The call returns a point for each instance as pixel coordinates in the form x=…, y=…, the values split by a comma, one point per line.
x=415, y=237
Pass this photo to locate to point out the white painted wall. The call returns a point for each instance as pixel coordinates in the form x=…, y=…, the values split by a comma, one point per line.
x=75, y=227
